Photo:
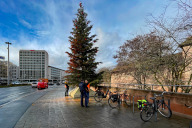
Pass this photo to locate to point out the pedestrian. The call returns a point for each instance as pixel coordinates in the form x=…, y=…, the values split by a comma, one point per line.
x=83, y=88
x=66, y=89
x=87, y=90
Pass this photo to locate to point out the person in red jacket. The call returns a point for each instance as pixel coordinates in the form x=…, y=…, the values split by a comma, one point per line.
x=87, y=90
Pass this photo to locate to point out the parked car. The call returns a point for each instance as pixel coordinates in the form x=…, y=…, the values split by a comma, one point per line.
x=42, y=85
x=34, y=84
x=16, y=82
x=25, y=83
x=50, y=83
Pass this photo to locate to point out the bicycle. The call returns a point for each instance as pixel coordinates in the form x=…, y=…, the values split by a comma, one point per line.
x=116, y=99
x=160, y=106
x=188, y=106
x=99, y=95
x=190, y=125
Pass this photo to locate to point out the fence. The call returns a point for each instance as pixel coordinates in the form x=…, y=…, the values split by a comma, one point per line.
x=153, y=87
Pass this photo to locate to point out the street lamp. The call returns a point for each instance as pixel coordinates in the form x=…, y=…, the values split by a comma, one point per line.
x=8, y=63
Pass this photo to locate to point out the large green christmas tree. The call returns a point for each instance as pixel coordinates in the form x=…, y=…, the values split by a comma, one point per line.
x=82, y=63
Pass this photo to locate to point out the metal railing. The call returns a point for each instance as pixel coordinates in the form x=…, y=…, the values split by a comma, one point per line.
x=144, y=86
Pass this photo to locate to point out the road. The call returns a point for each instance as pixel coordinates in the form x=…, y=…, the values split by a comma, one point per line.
x=14, y=101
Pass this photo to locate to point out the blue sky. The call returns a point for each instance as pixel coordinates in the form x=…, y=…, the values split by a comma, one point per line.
x=46, y=25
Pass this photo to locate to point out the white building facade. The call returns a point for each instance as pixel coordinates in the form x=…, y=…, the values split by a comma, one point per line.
x=33, y=64
x=55, y=74
x=13, y=71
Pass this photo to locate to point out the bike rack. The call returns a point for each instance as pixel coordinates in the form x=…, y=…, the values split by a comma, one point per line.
x=169, y=103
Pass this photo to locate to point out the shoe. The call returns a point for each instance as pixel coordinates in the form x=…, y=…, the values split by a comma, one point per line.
x=87, y=106
x=82, y=106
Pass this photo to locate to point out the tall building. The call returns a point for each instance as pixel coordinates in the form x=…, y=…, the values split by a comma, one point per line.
x=3, y=69
x=13, y=71
x=33, y=64
x=55, y=74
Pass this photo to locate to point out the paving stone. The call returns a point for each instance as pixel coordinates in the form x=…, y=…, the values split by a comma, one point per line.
x=54, y=110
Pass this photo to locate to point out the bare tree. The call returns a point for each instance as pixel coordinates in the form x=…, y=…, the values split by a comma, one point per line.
x=142, y=56
x=106, y=74
x=177, y=31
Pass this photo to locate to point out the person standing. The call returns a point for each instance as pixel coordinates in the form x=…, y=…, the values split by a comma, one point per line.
x=66, y=89
x=87, y=90
x=82, y=90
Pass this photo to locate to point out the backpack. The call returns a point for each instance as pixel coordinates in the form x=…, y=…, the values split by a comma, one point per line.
x=81, y=87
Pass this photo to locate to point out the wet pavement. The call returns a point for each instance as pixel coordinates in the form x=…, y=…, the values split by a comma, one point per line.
x=54, y=110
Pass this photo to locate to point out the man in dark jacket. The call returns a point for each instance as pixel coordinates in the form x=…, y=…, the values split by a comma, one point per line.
x=66, y=89
x=82, y=87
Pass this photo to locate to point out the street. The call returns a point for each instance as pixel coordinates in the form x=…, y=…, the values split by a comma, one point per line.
x=14, y=101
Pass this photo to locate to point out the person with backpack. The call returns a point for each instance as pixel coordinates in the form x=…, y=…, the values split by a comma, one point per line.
x=83, y=88
x=66, y=89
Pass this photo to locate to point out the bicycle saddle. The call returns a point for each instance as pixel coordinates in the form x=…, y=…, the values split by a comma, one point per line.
x=153, y=98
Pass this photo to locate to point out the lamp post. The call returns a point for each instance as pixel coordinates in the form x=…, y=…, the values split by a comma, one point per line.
x=8, y=63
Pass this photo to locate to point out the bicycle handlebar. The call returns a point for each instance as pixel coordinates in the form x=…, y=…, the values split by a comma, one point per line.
x=188, y=106
x=161, y=95
x=166, y=92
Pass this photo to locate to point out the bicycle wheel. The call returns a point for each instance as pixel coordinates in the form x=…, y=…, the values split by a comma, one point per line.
x=146, y=113
x=98, y=96
x=164, y=110
x=113, y=103
x=127, y=100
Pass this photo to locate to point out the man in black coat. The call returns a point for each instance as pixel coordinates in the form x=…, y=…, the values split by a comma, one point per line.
x=66, y=89
x=83, y=88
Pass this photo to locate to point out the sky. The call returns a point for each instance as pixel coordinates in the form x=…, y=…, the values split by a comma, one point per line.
x=46, y=25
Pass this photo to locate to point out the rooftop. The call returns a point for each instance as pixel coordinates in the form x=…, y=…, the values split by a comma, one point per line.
x=187, y=42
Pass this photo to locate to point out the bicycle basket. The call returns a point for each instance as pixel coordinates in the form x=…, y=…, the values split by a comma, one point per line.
x=114, y=97
x=100, y=93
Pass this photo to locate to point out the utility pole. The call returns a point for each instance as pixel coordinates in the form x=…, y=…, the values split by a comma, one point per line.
x=8, y=63
x=60, y=77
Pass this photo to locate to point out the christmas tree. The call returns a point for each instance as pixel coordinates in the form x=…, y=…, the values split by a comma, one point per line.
x=82, y=63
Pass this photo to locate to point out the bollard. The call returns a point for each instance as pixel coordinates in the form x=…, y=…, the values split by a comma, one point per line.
x=169, y=103
x=133, y=104
x=155, y=110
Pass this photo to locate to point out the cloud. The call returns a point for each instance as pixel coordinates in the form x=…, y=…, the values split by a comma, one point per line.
x=57, y=56
x=25, y=23
x=42, y=33
x=50, y=23
x=108, y=44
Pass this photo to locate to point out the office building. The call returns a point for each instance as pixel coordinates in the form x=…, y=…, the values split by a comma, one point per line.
x=13, y=71
x=33, y=64
x=55, y=74
x=3, y=69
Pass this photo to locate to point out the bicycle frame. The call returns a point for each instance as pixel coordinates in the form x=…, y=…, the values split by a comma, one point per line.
x=102, y=93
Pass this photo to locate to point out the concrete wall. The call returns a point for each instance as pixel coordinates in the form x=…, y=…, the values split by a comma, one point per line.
x=188, y=71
